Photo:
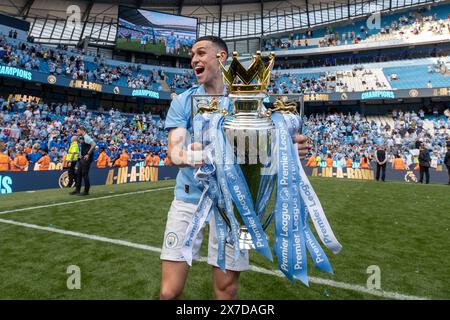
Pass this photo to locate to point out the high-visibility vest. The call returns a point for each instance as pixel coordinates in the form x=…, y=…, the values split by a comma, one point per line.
x=148, y=160
x=44, y=162
x=5, y=161
x=103, y=160
x=72, y=153
x=311, y=162
x=348, y=163
x=123, y=160
x=156, y=161
x=399, y=164
x=19, y=160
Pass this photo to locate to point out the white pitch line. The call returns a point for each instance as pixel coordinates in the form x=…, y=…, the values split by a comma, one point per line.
x=83, y=200
x=331, y=283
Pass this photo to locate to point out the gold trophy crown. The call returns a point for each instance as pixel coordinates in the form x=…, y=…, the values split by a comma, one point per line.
x=241, y=80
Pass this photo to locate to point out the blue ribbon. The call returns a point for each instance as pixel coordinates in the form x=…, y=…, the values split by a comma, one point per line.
x=289, y=199
x=289, y=243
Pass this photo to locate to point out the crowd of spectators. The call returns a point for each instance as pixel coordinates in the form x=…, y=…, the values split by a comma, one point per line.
x=35, y=128
x=30, y=131
x=350, y=140
x=71, y=63
x=356, y=79
x=411, y=24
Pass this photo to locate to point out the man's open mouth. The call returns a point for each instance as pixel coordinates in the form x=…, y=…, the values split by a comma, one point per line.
x=199, y=70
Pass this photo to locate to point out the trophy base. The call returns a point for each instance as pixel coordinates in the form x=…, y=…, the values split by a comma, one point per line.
x=245, y=239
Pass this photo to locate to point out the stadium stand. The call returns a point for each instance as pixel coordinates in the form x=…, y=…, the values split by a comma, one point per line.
x=418, y=24
x=35, y=127
x=353, y=136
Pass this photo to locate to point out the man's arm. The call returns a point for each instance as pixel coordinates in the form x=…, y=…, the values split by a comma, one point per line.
x=385, y=159
x=176, y=152
x=376, y=158
x=91, y=150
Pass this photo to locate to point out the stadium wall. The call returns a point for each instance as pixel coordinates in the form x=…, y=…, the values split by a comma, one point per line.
x=45, y=78
x=438, y=175
x=11, y=182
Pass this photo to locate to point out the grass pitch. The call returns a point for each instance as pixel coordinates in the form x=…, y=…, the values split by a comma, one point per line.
x=404, y=229
x=157, y=49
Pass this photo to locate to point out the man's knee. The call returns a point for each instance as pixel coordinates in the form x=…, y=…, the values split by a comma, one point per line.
x=169, y=293
x=227, y=291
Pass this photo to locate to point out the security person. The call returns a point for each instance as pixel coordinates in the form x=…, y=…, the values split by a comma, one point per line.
x=86, y=157
x=71, y=159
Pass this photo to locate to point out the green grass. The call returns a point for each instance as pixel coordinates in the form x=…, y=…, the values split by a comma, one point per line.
x=402, y=228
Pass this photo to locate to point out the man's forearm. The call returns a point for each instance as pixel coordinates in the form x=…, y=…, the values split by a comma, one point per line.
x=91, y=150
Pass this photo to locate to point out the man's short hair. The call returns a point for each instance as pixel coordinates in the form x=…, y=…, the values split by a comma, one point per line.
x=218, y=42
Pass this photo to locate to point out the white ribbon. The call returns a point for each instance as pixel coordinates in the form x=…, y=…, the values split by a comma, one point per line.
x=316, y=212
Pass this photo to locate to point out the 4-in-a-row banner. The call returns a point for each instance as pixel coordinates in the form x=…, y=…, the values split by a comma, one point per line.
x=438, y=175
x=11, y=181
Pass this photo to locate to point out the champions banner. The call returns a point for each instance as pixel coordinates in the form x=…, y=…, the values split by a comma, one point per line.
x=36, y=76
x=11, y=181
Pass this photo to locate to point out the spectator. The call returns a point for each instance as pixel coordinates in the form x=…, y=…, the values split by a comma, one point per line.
x=44, y=161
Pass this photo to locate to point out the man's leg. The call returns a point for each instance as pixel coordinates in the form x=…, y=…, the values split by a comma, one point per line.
x=378, y=172
x=174, y=269
x=225, y=284
x=72, y=177
x=421, y=174
x=173, y=279
x=427, y=174
x=448, y=170
x=78, y=177
x=383, y=172
x=86, y=167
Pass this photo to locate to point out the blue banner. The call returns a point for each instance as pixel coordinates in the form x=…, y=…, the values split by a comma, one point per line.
x=11, y=181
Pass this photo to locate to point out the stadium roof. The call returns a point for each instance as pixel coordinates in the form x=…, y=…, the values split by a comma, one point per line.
x=177, y=3
x=230, y=19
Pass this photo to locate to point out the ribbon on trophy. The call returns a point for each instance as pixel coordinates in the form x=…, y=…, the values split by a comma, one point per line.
x=295, y=198
x=224, y=184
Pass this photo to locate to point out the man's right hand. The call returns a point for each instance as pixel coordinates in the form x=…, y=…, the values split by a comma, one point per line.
x=194, y=155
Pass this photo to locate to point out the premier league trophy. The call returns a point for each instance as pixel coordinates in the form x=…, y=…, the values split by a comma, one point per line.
x=249, y=156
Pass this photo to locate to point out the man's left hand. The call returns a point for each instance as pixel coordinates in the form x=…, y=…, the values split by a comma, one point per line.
x=86, y=157
x=302, y=145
